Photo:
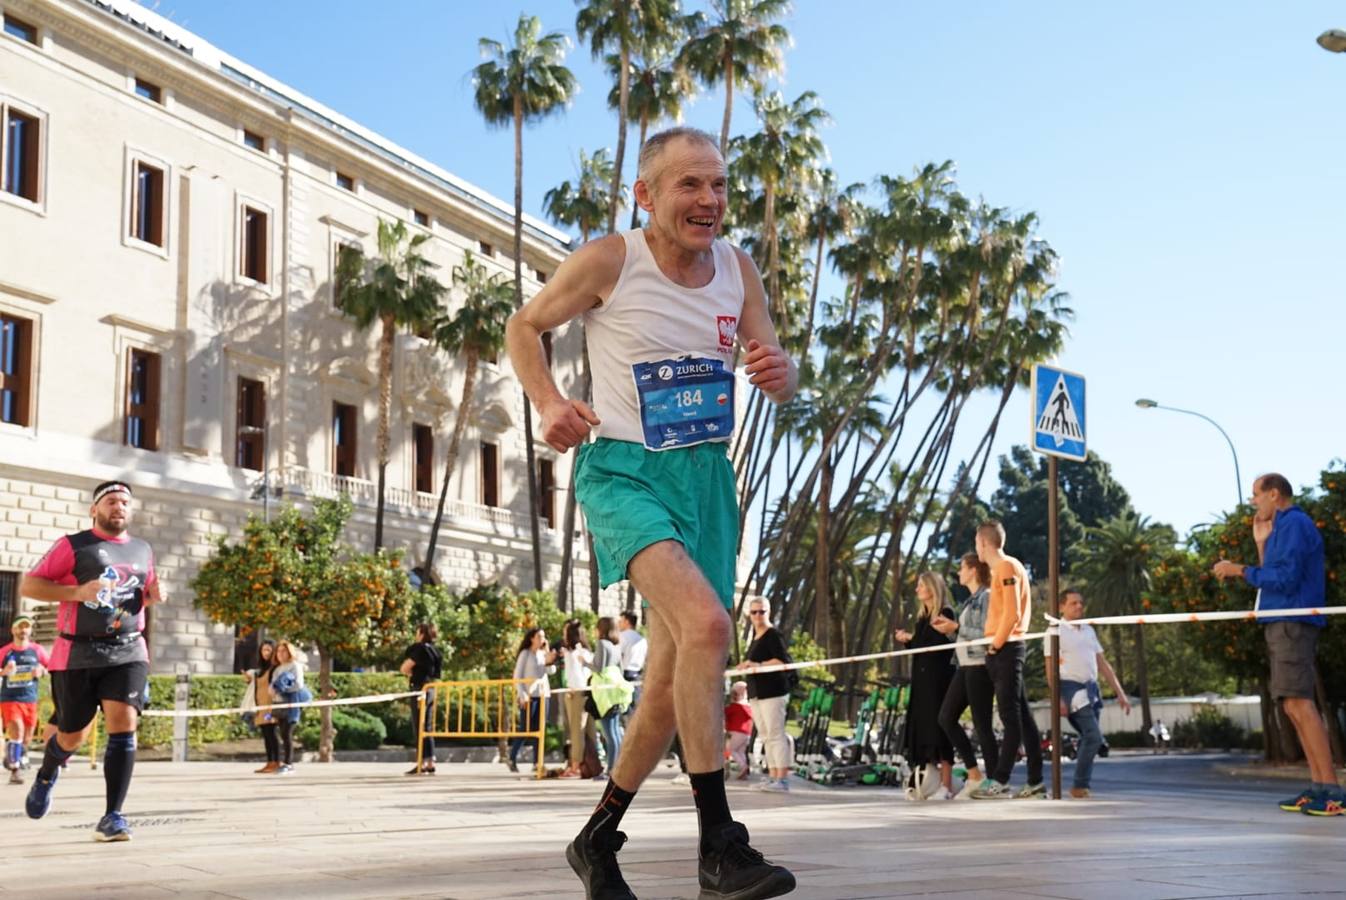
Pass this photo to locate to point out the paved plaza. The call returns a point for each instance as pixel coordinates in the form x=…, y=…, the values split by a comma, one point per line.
x=1161, y=827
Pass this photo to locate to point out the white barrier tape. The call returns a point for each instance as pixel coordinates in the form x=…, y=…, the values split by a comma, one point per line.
x=235, y=710
x=1213, y=616
x=839, y=660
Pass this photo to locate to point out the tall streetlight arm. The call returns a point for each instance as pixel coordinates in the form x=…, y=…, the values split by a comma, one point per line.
x=1238, y=477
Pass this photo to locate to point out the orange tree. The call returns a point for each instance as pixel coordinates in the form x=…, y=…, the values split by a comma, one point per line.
x=294, y=577
x=490, y=621
x=1183, y=583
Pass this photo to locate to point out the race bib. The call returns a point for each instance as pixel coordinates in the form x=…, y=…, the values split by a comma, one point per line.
x=684, y=401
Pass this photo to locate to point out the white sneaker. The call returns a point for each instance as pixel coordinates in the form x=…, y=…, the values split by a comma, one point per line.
x=966, y=792
x=682, y=778
x=929, y=781
x=913, y=794
x=775, y=786
x=942, y=794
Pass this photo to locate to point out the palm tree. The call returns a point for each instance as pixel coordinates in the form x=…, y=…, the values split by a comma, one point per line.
x=781, y=156
x=395, y=290
x=524, y=83
x=475, y=330
x=658, y=86
x=624, y=26
x=743, y=44
x=1115, y=561
x=584, y=204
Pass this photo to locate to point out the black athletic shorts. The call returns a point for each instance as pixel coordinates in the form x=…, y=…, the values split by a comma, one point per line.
x=79, y=693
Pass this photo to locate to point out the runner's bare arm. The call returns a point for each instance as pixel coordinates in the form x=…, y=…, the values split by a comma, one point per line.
x=581, y=283
x=767, y=366
x=45, y=591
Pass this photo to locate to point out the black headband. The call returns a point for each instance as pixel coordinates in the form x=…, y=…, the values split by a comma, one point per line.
x=112, y=487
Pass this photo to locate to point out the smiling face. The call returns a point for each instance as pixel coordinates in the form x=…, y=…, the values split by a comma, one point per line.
x=112, y=513
x=685, y=194
x=283, y=654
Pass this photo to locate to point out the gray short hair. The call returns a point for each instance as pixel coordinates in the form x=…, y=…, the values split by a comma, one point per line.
x=647, y=169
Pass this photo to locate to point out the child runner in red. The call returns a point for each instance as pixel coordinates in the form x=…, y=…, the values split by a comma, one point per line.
x=102, y=578
x=22, y=663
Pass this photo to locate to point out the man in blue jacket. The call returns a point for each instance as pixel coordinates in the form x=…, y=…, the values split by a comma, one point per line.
x=1292, y=576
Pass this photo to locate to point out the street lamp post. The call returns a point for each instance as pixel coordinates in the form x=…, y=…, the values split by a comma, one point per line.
x=1333, y=40
x=1143, y=403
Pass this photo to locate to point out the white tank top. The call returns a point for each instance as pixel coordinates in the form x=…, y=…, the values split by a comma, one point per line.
x=649, y=317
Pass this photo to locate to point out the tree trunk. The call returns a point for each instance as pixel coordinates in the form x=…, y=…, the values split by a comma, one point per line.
x=451, y=461
x=1333, y=726
x=530, y=452
x=822, y=593
x=565, y=599
x=775, y=304
x=385, y=412
x=325, y=733
x=728, y=103
x=1143, y=680
x=623, y=92
x=635, y=207
x=1118, y=654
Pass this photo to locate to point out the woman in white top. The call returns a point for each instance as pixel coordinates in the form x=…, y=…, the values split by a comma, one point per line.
x=532, y=666
x=579, y=665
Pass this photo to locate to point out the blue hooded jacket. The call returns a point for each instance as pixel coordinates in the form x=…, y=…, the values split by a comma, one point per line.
x=1293, y=573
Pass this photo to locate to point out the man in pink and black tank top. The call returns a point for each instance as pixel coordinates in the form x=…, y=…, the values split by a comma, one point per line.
x=666, y=310
x=103, y=579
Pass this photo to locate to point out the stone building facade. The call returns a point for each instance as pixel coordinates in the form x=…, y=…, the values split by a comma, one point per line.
x=170, y=221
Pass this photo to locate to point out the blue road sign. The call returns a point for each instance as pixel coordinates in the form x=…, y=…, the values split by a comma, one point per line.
x=1058, y=412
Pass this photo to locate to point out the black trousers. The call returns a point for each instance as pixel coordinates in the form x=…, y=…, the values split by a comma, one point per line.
x=971, y=686
x=286, y=729
x=271, y=741
x=427, y=743
x=1006, y=669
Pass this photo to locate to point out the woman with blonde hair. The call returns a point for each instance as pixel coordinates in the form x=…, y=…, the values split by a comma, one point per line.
x=287, y=686
x=925, y=742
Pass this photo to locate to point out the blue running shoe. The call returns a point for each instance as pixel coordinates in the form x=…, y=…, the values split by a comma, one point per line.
x=1296, y=803
x=112, y=827
x=39, y=797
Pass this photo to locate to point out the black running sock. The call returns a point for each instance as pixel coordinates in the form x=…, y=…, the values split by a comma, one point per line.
x=119, y=761
x=712, y=806
x=52, y=759
x=609, y=811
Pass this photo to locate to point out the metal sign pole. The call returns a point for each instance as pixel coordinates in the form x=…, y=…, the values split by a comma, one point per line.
x=1053, y=642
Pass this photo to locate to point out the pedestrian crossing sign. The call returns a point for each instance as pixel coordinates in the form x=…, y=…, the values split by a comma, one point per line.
x=1058, y=412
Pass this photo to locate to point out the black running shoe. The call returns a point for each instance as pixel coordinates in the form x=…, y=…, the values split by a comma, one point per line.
x=732, y=870
x=595, y=862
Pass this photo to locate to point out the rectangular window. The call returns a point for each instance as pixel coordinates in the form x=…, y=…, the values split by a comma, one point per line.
x=343, y=439
x=345, y=182
x=546, y=491
x=541, y=276
x=251, y=452
x=423, y=445
x=16, y=368
x=486, y=249
x=20, y=29
x=422, y=218
x=546, y=347
x=254, y=245
x=21, y=154
x=142, y=401
x=9, y=596
x=490, y=474
x=149, y=91
x=147, y=204
x=254, y=140
x=342, y=252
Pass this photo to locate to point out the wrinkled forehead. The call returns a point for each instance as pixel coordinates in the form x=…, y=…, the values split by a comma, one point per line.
x=688, y=158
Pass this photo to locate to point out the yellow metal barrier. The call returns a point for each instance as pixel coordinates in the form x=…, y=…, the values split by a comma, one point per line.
x=482, y=708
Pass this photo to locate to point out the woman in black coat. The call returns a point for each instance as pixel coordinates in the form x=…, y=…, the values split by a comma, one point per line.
x=925, y=742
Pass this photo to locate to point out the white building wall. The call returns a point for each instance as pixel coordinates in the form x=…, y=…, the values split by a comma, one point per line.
x=92, y=293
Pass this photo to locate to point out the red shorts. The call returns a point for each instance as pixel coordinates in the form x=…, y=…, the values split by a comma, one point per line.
x=25, y=713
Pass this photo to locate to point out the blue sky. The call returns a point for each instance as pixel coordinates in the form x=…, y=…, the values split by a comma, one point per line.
x=1188, y=162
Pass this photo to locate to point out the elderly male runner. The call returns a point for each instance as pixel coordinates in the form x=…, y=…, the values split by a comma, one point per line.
x=1292, y=575
x=103, y=578
x=663, y=307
